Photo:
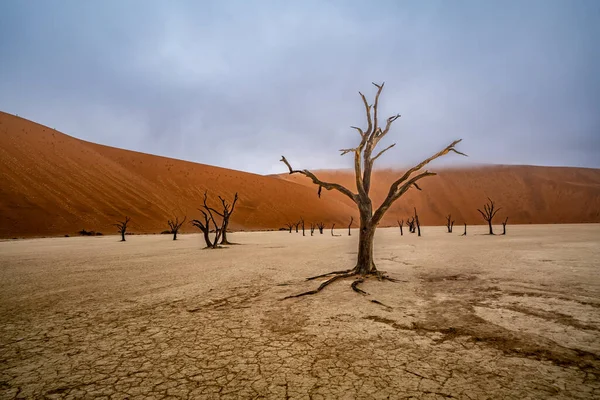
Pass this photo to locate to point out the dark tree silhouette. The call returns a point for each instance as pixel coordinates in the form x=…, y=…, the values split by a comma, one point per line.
x=312, y=229
x=465, y=234
x=449, y=223
x=488, y=213
x=321, y=226
x=504, y=226
x=122, y=225
x=302, y=224
x=417, y=222
x=205, y=226
x=225, y=215
x=411, y=225
x=350, y=226
x=297, y=224
x=289, y=225
x=175, y=225
x=400, y=224
x=364, y=160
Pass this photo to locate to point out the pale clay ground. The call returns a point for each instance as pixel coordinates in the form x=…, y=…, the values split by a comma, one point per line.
x=474, y=317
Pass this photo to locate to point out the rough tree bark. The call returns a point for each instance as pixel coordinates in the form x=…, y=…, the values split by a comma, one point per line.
x=122, y=225
x=488, y=213
x=175, y=225
x=321, y=226
x=364, y=159
x=449, y=223
x=400, y=224
x=417, y=222
x=350, y=226
x=504, y=226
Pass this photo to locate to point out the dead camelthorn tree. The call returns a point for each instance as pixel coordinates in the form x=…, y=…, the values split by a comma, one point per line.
x=333, y=234
x=289, y=225
x=465, y=234
x=297, y=224
x=321, y=226
x=225, y=215
x=122, y=225
x=365, y=155
x=449, y=223
x=302, y=224
x=488, y=213
x=312, y=229
x=400, y=224
x=205, y=226
x=350, y=226
x=175, y=225
x=417, y=222
x=411, y=225
x=504, y=226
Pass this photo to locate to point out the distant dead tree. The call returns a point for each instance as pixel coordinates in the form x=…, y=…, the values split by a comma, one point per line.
x=302, y=224
x=225, y=215
x=411, y=225
x=364, y=160
x=449, y=223
x=321, y=226
x=289, y=225
x=488, y=213
x=175, y=225
x=312, y=229
x=504, y=226
x=297, y=224
x=122, y=225
x=333, y=234
x=350, y=225
x=205, y=226
x=417, y=222
x=400, y=224
x=465, y=234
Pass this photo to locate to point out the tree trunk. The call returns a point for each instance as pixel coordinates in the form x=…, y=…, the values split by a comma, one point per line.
x=174, y=235
x=207, y=238
x=365, y=263
x=491, y=229
x=122, y=236
x=224, y=234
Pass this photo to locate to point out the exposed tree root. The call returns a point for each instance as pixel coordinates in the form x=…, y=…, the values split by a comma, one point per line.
x=355, y=287
x=329, y=273
x=321, y=286
x=381, y=304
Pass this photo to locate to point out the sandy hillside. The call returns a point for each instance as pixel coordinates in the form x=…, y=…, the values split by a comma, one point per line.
x=476, y=317
x=54, y=184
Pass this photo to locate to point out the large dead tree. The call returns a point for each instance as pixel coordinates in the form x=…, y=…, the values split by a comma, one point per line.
x=175, y=225
x=504, y=226
x=488, y=213
x=365, y=155
x=122, y=226
x=449, y=223
x=400, y=224
x=225, y=215
x=209, y=224
x=350, y=226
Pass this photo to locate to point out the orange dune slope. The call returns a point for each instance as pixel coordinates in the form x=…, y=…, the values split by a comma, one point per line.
x=54, y=184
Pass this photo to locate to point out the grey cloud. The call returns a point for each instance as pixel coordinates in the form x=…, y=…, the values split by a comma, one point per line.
x=236, y=83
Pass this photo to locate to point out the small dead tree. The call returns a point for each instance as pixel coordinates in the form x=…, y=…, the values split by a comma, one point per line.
x=289, y=225
x=400, y=224
x=465, y=234
x=122, y=226
x=175, y=225
x=488, y=213
x=504, y=226
x=302, y=223
x=417, y=222
x=411, y=225
x=205, y=226
x=297, y=224
x=225, y=215
x=350, y=225
x=333, y=234
x=365, y=155
x=321, y=226
x=449, y=223
x=312, y=229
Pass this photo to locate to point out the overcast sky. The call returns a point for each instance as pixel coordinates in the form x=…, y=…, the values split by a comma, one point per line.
x=239, y=83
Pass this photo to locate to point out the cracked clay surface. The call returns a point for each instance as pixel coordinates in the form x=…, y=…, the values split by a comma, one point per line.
x=474, y=317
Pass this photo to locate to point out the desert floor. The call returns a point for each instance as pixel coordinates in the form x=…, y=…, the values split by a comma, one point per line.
x=474, y=317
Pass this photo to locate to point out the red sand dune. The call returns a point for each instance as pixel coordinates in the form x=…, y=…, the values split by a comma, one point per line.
x=54, y=184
